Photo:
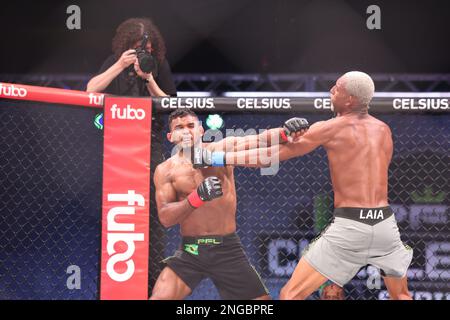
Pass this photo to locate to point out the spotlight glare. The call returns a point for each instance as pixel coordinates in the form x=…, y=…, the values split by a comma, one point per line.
x=214, y=121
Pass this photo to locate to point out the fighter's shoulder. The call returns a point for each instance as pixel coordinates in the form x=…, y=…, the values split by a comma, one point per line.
x=382, y=125
x=325, y=125
x=320, y=131
x=321, y=124
x=163, y=168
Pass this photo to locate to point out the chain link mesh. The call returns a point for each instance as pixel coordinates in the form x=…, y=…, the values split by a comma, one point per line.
x=50, y=204
x=50, y=200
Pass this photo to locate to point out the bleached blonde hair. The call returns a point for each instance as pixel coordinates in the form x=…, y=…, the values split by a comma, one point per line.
x=359, y=85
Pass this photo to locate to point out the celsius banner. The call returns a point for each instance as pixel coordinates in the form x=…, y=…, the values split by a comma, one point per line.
x=125, y=209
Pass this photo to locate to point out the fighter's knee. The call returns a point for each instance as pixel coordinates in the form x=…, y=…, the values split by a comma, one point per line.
x=288, y=293
x=160, y=294
x=401, y=296
x=284, y=294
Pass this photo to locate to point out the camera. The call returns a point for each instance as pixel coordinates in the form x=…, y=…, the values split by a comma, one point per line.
x=146, y=60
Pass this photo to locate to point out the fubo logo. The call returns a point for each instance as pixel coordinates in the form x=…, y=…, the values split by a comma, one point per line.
x=12, y=91
x=121, y=236
x=128, y=113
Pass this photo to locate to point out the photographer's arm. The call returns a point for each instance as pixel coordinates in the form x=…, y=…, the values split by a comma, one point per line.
x=153, y=87
x=101, y=81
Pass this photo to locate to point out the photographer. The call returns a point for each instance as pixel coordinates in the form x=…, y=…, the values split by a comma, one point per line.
x=138, y=66
x=121, y=74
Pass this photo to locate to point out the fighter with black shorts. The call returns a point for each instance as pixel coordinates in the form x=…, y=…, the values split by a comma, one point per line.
x=202, y=200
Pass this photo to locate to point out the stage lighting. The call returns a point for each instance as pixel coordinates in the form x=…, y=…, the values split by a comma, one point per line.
x=214, y=121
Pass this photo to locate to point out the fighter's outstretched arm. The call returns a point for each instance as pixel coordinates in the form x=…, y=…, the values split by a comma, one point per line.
x=318, y=134
x=248, y=142
x=293, y=127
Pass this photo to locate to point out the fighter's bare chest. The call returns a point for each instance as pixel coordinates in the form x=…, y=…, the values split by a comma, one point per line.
x=184, y=178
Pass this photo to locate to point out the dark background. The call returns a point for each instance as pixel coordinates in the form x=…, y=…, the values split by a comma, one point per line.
x=244, y=36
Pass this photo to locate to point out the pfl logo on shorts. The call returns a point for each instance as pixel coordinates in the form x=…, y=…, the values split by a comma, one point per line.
x=121, y=237
x=12, y=91
x=127, y=113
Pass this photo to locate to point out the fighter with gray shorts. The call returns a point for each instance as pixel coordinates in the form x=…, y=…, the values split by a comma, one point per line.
x=358, y=237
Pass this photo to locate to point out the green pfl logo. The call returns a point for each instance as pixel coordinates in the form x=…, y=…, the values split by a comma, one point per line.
x=191, y=248
x=98, y=121
x=208, y=241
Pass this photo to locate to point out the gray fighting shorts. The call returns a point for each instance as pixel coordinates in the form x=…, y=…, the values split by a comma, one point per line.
x=358, y=237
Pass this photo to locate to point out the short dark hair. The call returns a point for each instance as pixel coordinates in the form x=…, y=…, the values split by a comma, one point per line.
x=180, y=113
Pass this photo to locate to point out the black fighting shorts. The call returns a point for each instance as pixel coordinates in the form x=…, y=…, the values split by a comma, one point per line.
x=223, y=260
